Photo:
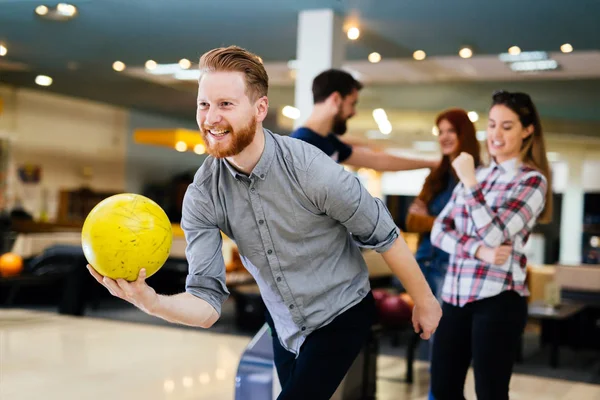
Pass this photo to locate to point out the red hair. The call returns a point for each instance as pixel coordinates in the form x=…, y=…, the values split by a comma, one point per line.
x=467, y=142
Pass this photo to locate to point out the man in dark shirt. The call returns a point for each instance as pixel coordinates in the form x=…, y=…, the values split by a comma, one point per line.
x=335, y=94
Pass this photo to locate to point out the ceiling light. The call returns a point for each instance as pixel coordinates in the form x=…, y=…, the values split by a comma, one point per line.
x=150, y=64
x=43, y=80
x=374, y=57
x=185, y=63
x=66, y=10
x=181, y=146
x=435, y=131
x=3, y=50
x=566, y=48
x=514, y=51
x=531, y=66
x=199, y=149
x=473, y=116
x=62, y=12
x=41, y=10
x=187, y=74
x=419, y=55
x=524, y=56
x=118, y=66
x=353, y=33
x=290, y=112
x=385, y=127
x=379, y=115
x=465, y=52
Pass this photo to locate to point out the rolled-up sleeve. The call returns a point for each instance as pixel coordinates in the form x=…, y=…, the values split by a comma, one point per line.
x=206, y=267
x=339, y=194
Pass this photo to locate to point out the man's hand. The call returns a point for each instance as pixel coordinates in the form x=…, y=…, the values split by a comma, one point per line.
x=494, y=256
x=426, y=317
x=137, y=293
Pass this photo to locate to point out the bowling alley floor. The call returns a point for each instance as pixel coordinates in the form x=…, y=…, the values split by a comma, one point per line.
x=49, y=356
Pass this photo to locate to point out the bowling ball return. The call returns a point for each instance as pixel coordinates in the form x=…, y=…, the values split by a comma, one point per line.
x=256, y=377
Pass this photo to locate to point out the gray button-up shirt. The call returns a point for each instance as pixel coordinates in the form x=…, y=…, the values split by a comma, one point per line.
x=291, y=219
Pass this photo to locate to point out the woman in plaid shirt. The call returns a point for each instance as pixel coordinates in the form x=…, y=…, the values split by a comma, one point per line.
x=484, y=228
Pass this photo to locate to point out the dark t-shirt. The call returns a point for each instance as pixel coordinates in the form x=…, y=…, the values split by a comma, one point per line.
x=330, y=145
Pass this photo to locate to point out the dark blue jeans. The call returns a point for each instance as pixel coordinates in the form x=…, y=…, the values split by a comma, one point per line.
x=326, y=355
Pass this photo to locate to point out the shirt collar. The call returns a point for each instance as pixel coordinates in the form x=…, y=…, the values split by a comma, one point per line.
x=262, y=167
x=507, y=166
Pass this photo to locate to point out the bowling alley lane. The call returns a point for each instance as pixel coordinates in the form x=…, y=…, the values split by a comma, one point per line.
x=49, y=356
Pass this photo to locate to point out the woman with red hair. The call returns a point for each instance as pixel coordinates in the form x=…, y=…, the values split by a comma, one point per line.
x=456, y=135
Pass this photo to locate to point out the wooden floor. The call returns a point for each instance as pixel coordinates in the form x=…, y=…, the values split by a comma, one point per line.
x=47, y=356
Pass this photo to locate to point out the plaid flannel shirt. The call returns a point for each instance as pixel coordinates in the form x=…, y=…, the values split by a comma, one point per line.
x=503, y=207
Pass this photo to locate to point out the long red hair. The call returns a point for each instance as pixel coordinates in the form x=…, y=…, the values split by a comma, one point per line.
x=467, y=142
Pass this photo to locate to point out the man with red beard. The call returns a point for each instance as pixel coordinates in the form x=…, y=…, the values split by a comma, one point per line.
x=290, y=209
x=335, y=95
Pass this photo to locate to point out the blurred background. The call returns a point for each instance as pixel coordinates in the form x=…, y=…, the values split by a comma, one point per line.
x=98, y=97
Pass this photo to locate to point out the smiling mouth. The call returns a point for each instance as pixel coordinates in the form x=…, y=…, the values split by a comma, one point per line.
x=218, y=132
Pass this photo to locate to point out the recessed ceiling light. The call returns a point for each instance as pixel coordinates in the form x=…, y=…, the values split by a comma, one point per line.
x=119, y=66
x=3, y=50
x=514, y=51
x=465, y=52
x=43, y=80
x=185, y=63
x=62, y=12
x=374, y=57
x=419, y=55
x=150, y=64
x=66, y=10
x=41, y=10
x=473, y=116
x=353, y=33
x=566, y=48
x=385, y=127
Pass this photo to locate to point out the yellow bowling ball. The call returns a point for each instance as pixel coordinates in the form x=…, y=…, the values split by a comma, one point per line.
x=125, y=233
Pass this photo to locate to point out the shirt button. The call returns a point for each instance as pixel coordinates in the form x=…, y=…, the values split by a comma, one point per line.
x=269, y=251
x=262, y=176
x=279, y=279
x=303, y=328
x=261, y=222
x=291, y=306
x=253, y=190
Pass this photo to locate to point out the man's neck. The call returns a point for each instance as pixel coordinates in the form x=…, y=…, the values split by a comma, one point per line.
x=319, y=122
x=245, y=161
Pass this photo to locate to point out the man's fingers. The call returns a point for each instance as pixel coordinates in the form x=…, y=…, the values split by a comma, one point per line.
x=114, y=288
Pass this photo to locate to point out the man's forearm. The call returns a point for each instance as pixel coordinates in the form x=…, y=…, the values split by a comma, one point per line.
x=390, y=162
x=402, y=263
x=186, y=309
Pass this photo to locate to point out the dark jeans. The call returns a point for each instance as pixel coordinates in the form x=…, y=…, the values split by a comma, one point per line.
x=326, y=354
x=486, y=332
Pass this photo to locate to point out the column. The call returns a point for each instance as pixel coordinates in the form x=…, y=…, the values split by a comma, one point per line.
x=320, y=46
x=571, y=222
